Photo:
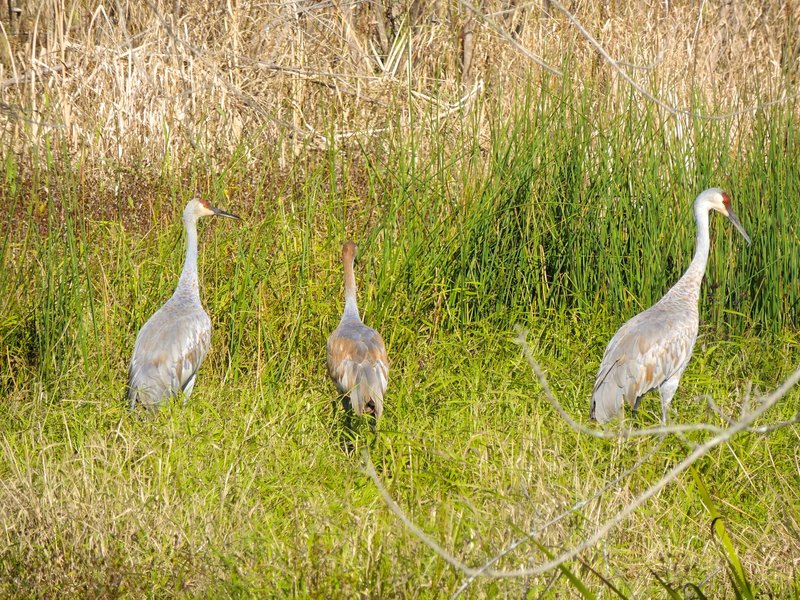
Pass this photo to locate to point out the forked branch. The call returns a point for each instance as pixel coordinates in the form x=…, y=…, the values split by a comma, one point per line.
x=745, y=423
x=618, y=66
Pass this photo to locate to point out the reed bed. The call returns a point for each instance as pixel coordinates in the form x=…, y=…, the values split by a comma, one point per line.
x=495, y=170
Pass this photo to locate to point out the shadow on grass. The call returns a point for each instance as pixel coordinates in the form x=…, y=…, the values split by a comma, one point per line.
x=353, y=432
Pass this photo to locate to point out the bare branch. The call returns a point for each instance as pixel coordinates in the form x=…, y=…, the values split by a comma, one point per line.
x=770, y=427
x=510, y=39
x=654, y=99
x=574, y=508
x=744, y=424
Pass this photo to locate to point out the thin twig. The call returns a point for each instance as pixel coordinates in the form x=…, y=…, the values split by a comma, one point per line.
x=719, y=412
x=775, y=426
x=654, y=99
x=603, y=530
x=510, y=39
x=574, y=508
x=27, y=76
x=649, y=67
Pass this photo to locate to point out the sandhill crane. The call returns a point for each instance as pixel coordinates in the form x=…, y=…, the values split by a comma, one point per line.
x=357, y=360
x=174, y=341
x=652, y=349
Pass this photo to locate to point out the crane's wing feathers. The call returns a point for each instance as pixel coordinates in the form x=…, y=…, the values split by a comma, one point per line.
x=647, y=350
x=169, y=349
x=358, y=365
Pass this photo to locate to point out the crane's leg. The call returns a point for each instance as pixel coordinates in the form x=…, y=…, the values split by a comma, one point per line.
x=187, y=389
x=635, y=404
x=667, y=391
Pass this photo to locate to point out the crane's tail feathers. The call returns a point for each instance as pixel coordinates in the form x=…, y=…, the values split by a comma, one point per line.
x=367, y=398
x=607, y=396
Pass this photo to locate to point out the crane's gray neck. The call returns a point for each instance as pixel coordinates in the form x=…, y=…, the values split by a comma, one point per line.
x=693, y=277
x=350, y=305
x=188, y=283
x=700, y=258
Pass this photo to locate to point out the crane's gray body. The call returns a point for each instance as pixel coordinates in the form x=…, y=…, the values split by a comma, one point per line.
x=173, y=343
x=358, y=366
x=357, y=360
x=651, y=350
x=169, y=349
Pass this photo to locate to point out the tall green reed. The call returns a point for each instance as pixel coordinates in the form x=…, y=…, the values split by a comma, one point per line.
x=566, y=204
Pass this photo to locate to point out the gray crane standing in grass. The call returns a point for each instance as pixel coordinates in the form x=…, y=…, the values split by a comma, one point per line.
x=174, y=341
x=357, y=360
x=652, y=349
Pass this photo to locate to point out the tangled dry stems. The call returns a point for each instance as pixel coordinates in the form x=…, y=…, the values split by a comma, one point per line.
x=131, y=82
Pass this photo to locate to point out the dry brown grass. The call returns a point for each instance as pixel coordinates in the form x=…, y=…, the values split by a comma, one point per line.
x=129, y=82
x=192, y=501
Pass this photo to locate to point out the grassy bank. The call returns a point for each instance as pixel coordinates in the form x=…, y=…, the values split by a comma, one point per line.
x=248, y=488
x=558, y=203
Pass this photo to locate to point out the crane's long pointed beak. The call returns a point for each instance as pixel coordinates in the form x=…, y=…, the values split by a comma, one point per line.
x=735, y=220
x=222, y=213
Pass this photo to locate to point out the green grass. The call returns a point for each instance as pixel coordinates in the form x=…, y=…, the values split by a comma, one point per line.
x=566, y=218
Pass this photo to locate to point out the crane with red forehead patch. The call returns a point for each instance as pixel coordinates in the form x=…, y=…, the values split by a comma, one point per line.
x=175, y=339
x=652, y=349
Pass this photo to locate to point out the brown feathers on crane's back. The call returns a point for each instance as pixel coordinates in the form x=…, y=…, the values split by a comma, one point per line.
x=357, y=360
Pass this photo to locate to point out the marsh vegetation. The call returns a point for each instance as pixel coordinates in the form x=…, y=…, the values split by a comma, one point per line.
x=485, y=191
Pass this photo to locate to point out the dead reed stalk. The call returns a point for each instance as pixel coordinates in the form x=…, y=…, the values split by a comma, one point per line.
x=130, y=82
